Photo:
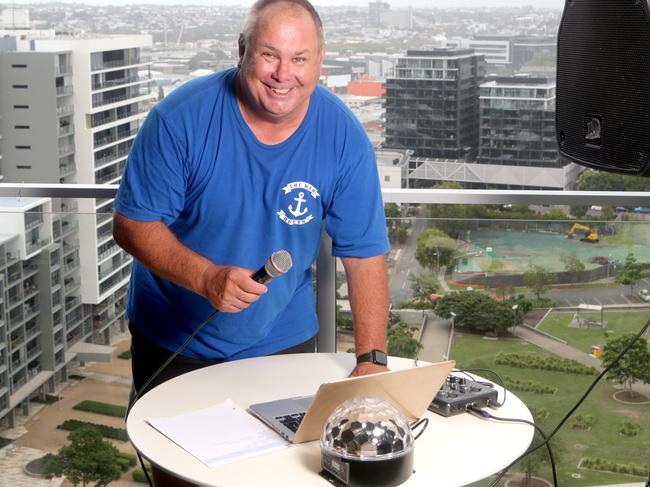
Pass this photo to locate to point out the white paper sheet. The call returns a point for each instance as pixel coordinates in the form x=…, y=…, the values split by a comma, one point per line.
x=219, y=434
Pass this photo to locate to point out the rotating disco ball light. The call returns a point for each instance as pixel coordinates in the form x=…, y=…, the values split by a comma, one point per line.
x=367, y=442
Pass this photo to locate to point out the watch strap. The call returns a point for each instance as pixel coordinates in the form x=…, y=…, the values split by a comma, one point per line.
x=374, y=356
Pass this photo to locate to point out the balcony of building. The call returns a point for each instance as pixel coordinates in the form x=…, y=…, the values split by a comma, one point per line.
x=110, y=174
x=120, y=95
x=112, y=60
x=115, y=264
x=70, y=263
x=69, y=225
x=71, y=284
x=514, y=243
x=73, y=318
x=112, y=79
x=62, y=69
x=16, y=338
x=123, y=112
x=30, y=289
x=64, y=110
x=66, y=169
x=66, y=127
x=65, y=90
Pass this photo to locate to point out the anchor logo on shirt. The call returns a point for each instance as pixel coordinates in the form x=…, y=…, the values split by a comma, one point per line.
x=299, y=200
x=298, y=213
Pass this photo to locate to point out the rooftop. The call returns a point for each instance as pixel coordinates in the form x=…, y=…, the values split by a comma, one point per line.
x=9, y=204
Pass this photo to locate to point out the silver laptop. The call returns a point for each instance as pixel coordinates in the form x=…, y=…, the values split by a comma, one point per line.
x=301, y=419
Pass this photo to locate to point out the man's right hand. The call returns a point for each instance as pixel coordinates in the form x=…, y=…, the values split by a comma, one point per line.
x=231, y=289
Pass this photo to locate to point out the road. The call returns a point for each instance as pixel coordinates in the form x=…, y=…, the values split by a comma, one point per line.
x=405, y=265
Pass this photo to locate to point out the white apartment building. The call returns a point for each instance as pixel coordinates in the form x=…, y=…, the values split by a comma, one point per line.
x=42, y=324
x=71, y=108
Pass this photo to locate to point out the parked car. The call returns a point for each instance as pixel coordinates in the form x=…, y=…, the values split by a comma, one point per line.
x=641, y=209
x=643, y=294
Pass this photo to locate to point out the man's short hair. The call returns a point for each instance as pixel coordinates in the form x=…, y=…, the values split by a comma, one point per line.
x=260, y=5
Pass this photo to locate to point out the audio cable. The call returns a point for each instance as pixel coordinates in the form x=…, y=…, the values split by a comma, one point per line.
x=483, y=414
x=423, y=421
x=500, y=381
x=277, y=264
x=577, y=404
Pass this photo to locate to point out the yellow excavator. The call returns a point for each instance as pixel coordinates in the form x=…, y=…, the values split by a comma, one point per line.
x=590, y=234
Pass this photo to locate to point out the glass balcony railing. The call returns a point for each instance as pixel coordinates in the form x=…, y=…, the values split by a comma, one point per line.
x=118, y=63
x=64, y=90
x=99, y=85
x=63, y=69
x=509, y=252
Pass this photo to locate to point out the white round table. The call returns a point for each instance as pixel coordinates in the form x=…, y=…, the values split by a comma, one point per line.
x=452, y=451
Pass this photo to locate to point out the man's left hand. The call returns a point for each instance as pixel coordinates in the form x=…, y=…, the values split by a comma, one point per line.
x=367, y=368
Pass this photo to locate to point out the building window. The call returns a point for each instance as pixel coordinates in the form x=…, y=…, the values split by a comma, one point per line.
x=23, y=167
x=19, y=86
x=18, y=65
x=21, y=126
x=18, y=107
x=23, y=147
x=387, y=178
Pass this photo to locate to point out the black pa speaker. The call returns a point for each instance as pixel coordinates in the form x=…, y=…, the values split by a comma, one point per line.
x=603, y=85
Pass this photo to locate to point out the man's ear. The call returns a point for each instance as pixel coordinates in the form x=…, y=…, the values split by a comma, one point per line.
x=241, y=42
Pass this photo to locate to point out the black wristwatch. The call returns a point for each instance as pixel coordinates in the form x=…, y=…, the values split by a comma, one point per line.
x=375, y=356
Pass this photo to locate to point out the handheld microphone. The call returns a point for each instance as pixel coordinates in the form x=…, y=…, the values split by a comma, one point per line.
x=276, y=265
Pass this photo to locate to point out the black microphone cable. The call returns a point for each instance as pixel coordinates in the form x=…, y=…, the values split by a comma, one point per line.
x=577, y=404
x=483, y=414
x=277, y=264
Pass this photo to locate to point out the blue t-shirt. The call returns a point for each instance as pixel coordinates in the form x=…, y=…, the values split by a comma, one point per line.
x=197, y=167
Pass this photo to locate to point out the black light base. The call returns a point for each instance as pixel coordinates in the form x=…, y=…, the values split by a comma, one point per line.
x=365, y=473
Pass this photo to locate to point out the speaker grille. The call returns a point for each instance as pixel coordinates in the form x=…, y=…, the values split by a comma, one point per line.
x=603, y=82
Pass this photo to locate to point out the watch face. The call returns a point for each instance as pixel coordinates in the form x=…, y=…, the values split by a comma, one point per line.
x=380, y=357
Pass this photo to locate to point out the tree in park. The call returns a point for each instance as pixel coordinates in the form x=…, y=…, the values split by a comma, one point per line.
x=424, y=284
x=401, y=342
x=88, y=458
x=633, y=366
x=434, y=249
x=630, y=272
x=538, y=279
x=534, y=463
x=396, y=226
x=453, y=219
x=591, y=180
x=573, y=265
x=476, y=311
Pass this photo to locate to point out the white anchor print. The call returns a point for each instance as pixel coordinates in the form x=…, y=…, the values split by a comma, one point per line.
x=299, y=201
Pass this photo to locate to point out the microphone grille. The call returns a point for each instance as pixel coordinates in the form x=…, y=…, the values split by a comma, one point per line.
x=279, y=263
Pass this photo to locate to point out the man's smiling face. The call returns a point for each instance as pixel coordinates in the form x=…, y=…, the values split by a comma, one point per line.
x=281, y=66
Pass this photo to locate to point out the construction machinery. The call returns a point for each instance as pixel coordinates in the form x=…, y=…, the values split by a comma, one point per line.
x=590, y=234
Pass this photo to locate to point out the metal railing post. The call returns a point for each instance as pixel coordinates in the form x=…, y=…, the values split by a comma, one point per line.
x=326, y=296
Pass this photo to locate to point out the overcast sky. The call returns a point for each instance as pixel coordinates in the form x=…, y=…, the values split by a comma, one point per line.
x=557, y=4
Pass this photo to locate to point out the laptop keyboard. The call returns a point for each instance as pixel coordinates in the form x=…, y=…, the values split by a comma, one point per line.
x=291, y=421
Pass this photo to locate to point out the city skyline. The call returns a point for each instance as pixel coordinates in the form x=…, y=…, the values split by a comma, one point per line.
x=447, y=4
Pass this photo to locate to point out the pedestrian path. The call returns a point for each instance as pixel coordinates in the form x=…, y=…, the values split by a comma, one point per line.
x=12, y=462
x=568, y=352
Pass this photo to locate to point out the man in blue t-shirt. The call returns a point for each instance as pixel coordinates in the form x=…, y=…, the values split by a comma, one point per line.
x=232, y=167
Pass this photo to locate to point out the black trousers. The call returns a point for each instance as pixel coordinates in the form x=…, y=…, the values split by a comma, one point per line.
x=147, y=357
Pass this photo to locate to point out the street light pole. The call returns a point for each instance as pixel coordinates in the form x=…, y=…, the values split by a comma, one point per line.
x=514, y=316
x=451, y=334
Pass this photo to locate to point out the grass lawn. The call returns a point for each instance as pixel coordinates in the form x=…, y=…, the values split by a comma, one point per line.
x=602, y=440
x=616, y=323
